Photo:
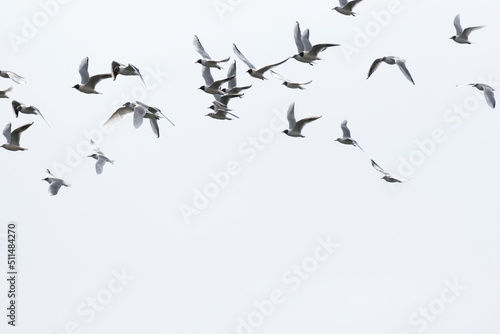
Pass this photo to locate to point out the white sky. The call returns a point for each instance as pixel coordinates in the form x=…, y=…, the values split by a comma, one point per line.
x=398, y=245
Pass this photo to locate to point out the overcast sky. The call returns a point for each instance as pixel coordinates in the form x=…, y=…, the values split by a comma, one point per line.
x=231, y=226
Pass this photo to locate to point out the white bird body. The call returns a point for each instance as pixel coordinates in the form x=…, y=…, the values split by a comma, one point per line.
x=295, y=127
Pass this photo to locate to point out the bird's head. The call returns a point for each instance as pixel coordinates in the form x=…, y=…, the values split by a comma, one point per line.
x=76, y=86
x=202, y=88
x=453, y=37
x=198, y=61
x=285, y=131
x=46, y=179
x=250, y=71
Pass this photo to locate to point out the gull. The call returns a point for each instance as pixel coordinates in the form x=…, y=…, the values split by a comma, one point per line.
x=55, y=183
x=3, y=93
x=206, y=60
x=212, y=87
x=387, y=177
x=142, y=111
x=488, y=92
x=256, y=73
x=220, y=113
x=88, y=83
x=223, y=101
x=346, y=136
x=232, y=87
x=290, y=84
x=346, y=7
x=307, y=53
x=462, y=36
x=391, y=61
x=294, y=127
x=100, y=157
x=24, y=109
x=13, y=137
x=13, y=76
x=117, y=68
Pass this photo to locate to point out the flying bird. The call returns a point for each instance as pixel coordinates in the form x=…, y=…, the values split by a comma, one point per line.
x=256, y=73
x=346, y=8
x=142, y=111
x=391, y=61
x=294, y=127
x=462, y=36
x=488, y=92
x=55, y=183
x=346, y=136
x=206, y=59
x=3, y=93
x=290, y=84
x=100, y=157
x=220, y=112
x=24, y=109
x=88, y=83
x=211, y=86
x=13, y=137
x=117, y=68
x=387, y=177
x=232, y=87
x=307, y=53
x=13, y=76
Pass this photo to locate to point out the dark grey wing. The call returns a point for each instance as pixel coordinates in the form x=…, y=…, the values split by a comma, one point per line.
x=489, y=96
x=231, y=72
x=402, y=66
x=154, y=127
x=374, y=66
x=218, y=83
x=84, y=70
x=115, y=69
x=99, y=165
x=207, y=75
x=199, y=48
x=242, y=57
x=290, y=115
x=6, y=132
x=268, y=67
x=316, y=49
x=345, y=130
x=467, y=31
x=342, y=3
x=300, y=124
x=139, y=112
x=351, y=4
x=377, y=167
x=456, y=23
x=15, y=135
x=94, y=80
x=297, y=35
x=16, y=106
x=55, y=185
x=136, y=70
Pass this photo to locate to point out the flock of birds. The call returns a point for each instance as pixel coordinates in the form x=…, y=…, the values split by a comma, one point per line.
x=306, y=53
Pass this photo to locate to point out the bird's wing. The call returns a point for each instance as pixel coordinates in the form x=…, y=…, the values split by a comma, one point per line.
x=6, y=132
x=342, y=3
x=242, y=57
x=227, y=112
x=300, y=124
x=218, y=83
x=297, y=35
x=489, y=96
x=154, y=127
x=207, y=75
x=99, y=165
x=305, y=41
x=199, y=48
x=231, y=72
x=224, y=99
x=139, y=112
x=377, y=167
x=7, y=90
x=278, y=76
x=15, y=77
x=95, y=147
x=16, y=106
x=456, y=23
x=467, y=31
x=55, y=185
x=84, y=70
x=39, y=113
x=345, y=130
x=374, y=66
x=15, y=136
x=316, y=49
x=268, y=67
x=136, y=70
x=95, y=79
x=356, y=144
x=351, y=4
x=290, y=115
x=115, y=68
x=402, y=66
x=118, y=115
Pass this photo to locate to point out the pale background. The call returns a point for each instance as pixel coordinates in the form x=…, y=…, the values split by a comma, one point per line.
x=397, y=244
